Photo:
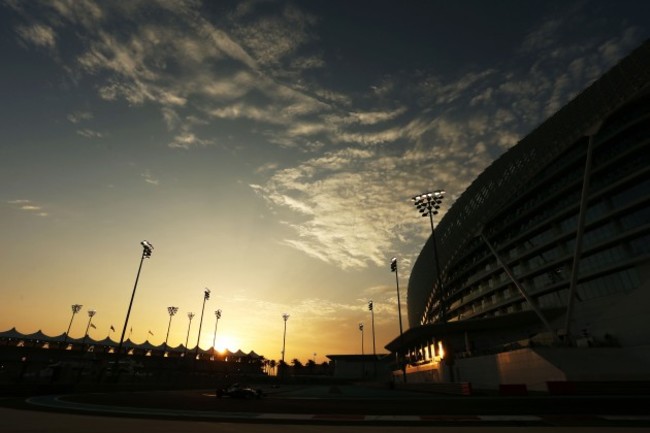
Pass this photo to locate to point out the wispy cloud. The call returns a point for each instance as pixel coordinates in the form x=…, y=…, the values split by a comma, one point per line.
x=79, y=116
x=149, y=178
x=187, y=140
x=316, y=310
x=28, y=206
x=359, y=155
x=349, y=209
x=89, y=133
x=38, y=34
x=274, y=38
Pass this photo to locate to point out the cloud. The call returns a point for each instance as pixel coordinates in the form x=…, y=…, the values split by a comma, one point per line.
x=346, y=213
x=28, y=206
x=543, y=36
x=38, y=34
x=89, y=133
x=273, y=37
x=374, y=117
x=358, y=155
x=349, y=210
x=86, y=12
x=171, y=62
x=171, y=117
x=304, y=63
x=149, y=178
x=79, y=116
x=187, y=140
x=319, y=309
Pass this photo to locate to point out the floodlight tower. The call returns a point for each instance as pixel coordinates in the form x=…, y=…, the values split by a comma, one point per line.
x=91, y=314
x=147, y=249
x=75, y=309
x=285, y=317
x=393, y=268
x=217, y=315
x=374, y=352
x=190, y=316
x=361, y=329
x=428, y=204
x=283, y=366
x=372, y=315
x=172, y=312
x=206, y=296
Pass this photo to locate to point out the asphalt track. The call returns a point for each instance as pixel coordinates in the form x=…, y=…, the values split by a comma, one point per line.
x=325, y=407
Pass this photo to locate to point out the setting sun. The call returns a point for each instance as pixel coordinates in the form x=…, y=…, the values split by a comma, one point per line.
x=227, y=342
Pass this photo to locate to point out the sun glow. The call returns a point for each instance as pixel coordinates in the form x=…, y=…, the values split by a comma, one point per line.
x=227, y=342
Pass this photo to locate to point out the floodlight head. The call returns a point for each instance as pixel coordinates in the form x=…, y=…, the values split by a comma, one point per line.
x=285, y=316
x=147, y=249
x=370, y=305
x=218, y=314
x=206, y=294
x=190, y=316
x=360, y=326
x=91, y=313
x=172, y=310
x=393, y=264
x=76, y=308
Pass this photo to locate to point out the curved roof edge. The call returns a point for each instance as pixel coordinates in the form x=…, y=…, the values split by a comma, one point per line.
x=511, y=172
x=15, y=334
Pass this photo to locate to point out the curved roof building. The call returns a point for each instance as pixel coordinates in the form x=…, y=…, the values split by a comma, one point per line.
x=553, y=238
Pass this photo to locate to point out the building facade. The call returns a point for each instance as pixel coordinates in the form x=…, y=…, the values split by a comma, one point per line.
x=545, y=259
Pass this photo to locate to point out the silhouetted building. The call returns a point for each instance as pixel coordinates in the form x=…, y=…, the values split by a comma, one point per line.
x=365, y=367
x=513, y=308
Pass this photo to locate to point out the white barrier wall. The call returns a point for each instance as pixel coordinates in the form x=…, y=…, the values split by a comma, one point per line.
x=523, y=366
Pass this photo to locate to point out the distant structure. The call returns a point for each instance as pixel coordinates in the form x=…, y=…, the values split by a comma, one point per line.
x=39, y=340
x=545, y=258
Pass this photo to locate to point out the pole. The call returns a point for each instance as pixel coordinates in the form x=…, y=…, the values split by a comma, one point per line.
x=128, y=313
x=172, y=311
x=374, y=352
x=91, y=313
x=206, y=296
x=216, y=323
x=441, y=295
x=399, y=312
x=363, y=360
x=285, y=316
x=362, y=349
x=75, y=309
x=522, y=290
x=169, y=325
x=187, y=339
x=578, y=246
x=214, y=338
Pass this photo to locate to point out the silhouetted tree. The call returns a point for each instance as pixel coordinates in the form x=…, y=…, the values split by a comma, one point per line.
x=282, y=368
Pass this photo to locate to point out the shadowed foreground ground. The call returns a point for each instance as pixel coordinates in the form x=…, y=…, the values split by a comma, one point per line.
x=357, y=400
x=339, y=405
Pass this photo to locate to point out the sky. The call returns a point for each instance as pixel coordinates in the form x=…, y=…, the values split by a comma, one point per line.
x=268, y=150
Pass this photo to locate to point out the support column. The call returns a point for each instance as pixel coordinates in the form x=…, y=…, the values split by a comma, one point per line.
x=579, y=235
x=521, y=289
